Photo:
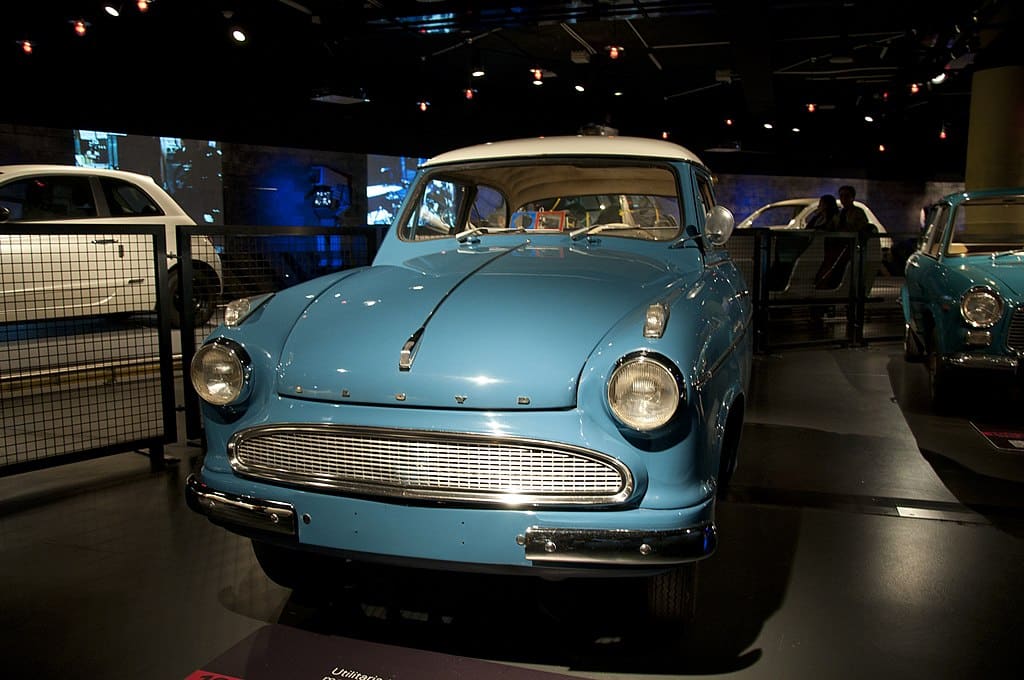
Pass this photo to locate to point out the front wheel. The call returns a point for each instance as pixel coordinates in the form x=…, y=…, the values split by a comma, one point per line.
x=941, y=382
x=204, y=297
x=672, y=595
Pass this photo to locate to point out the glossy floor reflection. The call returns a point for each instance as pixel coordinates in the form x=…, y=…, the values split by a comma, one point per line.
x=864, y=536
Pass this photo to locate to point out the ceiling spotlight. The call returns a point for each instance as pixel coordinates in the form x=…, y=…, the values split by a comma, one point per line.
x=728, y=121
x=112, y=10
x=869, y=119
x=238, y=35
x=478, y=72
x=811, y=108
x=664, y=134
x=26, y=46
x=942, y=133
x=143, y=5
x=469, y=92
x=423, y=105
x=80, y=26
x=769, y=126
x=614, y=51
x=796, y=129
x=617, y=93
x=915, y=88
x=881, y=148
x=580, y=88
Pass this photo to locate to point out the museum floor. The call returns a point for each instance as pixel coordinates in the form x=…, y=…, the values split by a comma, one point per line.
x=864, y=537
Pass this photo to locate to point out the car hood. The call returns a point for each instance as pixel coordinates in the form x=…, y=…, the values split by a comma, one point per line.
x=488, y=328
x=1005, y=271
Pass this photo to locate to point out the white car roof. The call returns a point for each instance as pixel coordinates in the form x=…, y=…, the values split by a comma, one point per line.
x=166, y=202
x=579, y=145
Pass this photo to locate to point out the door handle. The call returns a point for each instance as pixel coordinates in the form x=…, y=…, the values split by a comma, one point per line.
x=103, y=241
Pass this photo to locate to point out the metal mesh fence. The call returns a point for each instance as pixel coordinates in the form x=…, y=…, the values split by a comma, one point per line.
x=252, y=261
x=813, y=287
x=84, y=351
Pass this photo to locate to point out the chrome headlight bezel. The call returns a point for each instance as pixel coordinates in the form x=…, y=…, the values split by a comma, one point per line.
x=668, y=382
x=981, y=307
x=236, y=377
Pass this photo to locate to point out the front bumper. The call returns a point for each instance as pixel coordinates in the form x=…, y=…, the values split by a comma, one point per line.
x=501, y=537
x=983, y=362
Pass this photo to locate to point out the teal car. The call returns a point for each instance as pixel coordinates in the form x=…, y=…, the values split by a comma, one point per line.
x=543, y=373
x=963, y=300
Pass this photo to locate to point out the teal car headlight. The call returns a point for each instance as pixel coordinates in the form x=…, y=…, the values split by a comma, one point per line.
x=220, y=372
x=645, y=391
x=981, y=307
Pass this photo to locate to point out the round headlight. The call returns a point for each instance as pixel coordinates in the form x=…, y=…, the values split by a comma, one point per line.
x=644, y=393
x=981, y=307
x=219, y=371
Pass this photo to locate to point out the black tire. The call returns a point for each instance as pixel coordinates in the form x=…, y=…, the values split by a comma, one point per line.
x=942, y=385
x=204, y=297
x=672, y=595
x=912, y=350
x=730, y=448
x=296, y=569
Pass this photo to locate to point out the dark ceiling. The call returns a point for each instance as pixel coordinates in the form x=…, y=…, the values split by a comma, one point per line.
x=685, y=68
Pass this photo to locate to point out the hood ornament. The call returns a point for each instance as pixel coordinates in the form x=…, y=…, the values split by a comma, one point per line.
x=408, y=353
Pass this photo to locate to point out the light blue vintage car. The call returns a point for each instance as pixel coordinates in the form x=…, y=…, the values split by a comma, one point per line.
x=543, y=372
x=963, y=301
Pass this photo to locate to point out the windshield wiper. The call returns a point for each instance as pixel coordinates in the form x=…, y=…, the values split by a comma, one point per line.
x=462, y=236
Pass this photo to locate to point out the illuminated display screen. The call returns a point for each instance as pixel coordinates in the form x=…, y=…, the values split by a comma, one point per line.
x=387, y=180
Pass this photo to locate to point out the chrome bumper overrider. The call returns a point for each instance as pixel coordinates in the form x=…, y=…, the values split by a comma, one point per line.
x=619, y=546
x=252, y=513
x=982, y=361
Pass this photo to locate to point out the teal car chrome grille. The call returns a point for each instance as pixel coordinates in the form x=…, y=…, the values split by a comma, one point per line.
x=430, y=465
x=1015, y=336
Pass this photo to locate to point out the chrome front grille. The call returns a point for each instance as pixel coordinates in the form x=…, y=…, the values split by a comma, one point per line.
x=1015, y=336
x=430, y=465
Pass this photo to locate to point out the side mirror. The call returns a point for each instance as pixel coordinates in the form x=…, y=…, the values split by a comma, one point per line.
x=5, y=213
x=719, y=225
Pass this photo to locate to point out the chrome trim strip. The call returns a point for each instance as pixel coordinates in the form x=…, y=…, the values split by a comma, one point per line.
x=709, y=372
x=964, y=360
x=620, y=546
x=243, y=511
x=509, y=498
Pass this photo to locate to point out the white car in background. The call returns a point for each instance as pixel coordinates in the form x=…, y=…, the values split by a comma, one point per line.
x=87, y=272
x=793, y=213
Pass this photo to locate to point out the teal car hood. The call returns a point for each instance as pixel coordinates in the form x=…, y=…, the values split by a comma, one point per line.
x=1005, y=271
x=485, y=328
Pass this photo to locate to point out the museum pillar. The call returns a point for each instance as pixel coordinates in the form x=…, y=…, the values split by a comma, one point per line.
x=995, y=140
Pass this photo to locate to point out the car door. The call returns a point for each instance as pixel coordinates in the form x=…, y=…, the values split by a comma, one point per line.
x=49, y=275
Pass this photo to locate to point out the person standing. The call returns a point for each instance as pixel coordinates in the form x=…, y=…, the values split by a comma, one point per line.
x=826, y=215
x=851, y=217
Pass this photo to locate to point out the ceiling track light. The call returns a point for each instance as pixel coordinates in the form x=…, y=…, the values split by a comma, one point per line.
x=26, y=46
x=143, y=5
x=112, y=10
x=238, y=35
x=423, y=105
x=80, y=26
x=614, y=51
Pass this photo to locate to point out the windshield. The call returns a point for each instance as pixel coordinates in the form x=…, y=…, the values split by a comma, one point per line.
x=775, y=216
x=615, y=200
x=989, y=225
